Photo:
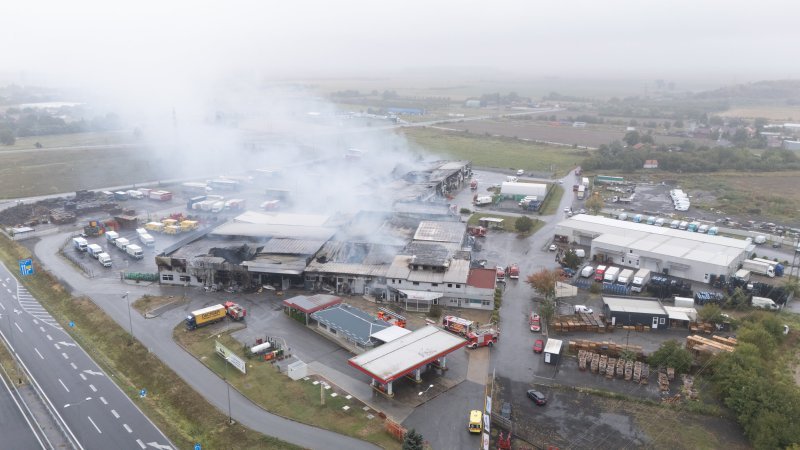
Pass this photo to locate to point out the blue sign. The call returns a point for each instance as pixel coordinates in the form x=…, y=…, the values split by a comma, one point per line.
x=143, y=393
x=26, y=266
x=197, y=447
x=71, y=324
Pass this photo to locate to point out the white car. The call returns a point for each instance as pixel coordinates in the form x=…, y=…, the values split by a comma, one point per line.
x=583, y=309
x=553, y=247
x=567, y=209
x=520, y=172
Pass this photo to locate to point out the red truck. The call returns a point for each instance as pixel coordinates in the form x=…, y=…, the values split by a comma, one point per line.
x=477, y=231
x=457, y=325
x=600, y=273
x=235, y=311
x=473, y=185
x=482, y=338
x=513, y=271
x=501, y=274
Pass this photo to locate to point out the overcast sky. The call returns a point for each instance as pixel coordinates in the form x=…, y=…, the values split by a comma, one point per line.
x=104, y=42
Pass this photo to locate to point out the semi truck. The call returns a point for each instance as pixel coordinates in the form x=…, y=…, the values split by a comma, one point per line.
x=80, y=244
x=640, y=279
x=625, y=277
x=205, y=316
x=611, y=275
x=104, y=258
x=134, y=251
x=94, y=250
x=759, y=267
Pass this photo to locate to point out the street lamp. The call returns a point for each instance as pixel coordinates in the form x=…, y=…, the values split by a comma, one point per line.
x=228, y=385
x=126, y=296
x=426, y=390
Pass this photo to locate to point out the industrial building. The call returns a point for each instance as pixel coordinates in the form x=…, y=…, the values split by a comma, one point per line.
x=351, y=327
x=683, y=254
x=634, y=311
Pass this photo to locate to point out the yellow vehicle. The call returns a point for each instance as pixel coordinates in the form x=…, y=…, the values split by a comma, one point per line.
x=475, y=421
x=205, y=316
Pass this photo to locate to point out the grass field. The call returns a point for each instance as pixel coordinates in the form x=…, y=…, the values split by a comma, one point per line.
x=49, y=172
x=776, y=112
x=552, y=203
x=148, y=303
x=71, y=140
x=276, y=392
x=11, y=368
x=180, y=412
x=496, y=152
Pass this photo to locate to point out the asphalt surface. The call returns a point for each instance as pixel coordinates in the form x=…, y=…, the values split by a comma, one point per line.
x=17, y=427
x=156, y=334
x=94, y=411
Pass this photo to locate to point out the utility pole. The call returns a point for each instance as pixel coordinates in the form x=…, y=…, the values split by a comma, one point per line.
x=130, y=318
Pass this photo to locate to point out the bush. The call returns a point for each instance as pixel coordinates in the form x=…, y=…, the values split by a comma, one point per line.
x=523, y=224
x=465, y=211
x=435, y=312
x=595, y=288
x=672, y=354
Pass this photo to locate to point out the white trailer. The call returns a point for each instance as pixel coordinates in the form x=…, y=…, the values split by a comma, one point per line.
x=104, y=259
x=80, y=244
x=134, y=251
x=684, y=302
x=94, y=250
x=640, y=279
x=625, y=277
x=121, y=243
x=611, y=275
x=516, y=189
x=759, y=267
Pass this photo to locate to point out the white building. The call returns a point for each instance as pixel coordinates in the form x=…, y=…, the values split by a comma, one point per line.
x=684, y=254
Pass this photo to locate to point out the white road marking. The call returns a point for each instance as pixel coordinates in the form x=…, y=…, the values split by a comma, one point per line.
x=35, y=322
x=73, y=366
x=17, y=325
x=64, y=385
x=64, y=355
x=141, y=444
x=83, y=377
x=37, y=352
x=1, y=306
x=102, y=399
x=49, y=338
x=67, y=344
x=95, y=425
x=9, y=290
x=42, y=328
x=159, y=446
x=115, y=413
x=56, y=346
x=94, y=389
x=127, y=428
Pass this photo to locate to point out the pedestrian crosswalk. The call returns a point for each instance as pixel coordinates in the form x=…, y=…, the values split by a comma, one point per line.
x=32, y=306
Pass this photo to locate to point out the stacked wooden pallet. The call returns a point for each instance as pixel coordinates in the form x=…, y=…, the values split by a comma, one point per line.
x=628, y=370
x=612, y=362
x=579, y=322
x=663, y=381
x=605, y=347
x=716, y=344
x=583, y=355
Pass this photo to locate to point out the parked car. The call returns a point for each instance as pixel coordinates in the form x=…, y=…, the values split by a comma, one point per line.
x=568, y=272
x=537, y=397
x=553, y=247
x=520, y=172
x=535, y=322
x=583, y=309
x=505, y=410
x=538, y=346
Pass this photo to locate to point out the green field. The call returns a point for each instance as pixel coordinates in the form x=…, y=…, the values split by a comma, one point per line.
x=502, y=153
x=71, y=140
x=180, y=412
x=276, y=392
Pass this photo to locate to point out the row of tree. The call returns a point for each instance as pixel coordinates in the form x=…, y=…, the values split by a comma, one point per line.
x=40, y=123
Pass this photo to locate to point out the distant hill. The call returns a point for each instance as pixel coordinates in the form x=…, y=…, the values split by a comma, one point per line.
x=785, y=92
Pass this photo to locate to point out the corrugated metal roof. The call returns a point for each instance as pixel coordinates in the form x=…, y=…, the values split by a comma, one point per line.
x=631, y=305
x=436, y=231
x=351, y=322
x=348, y=269
x=262, y=218
x=274, y=231
x=292, y=246
x=390, y=334
x=313, y=303
x=397, y=358
x=482, y=278
x=431, y=253
x=553, y=346
x=399, y=267
x=457, y=272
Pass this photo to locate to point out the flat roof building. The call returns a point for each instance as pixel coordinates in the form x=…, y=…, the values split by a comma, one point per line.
x=634, y=311
x=350, y=326
x=680, y=253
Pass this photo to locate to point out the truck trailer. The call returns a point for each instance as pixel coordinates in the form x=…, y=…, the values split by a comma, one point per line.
x=205, y=316
x=80, y=244
x=779, y=269
x=104, y=259
x=640, y=279
x=611, y=275
x=764, y=303
x=759, y=267
x=625, y=277
x=134, y=251
x=94, y=250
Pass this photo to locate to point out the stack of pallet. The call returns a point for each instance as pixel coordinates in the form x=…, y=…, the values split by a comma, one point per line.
x=603, y=363
x=710, y=346
x=620, y=367
x=670, y=373
x=688, y=387
x=605, y=347
x=628, y=370
x=702, y=327
x=583, y=355
x=612, y=362
x=579, y=322
x=637, y=371
x=663, y=381
x=645, y=373
x=595, y=362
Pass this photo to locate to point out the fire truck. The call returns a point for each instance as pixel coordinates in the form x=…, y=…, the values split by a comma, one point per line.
x=483, y=338
x=457, y=325
x=477, y=231
x=473, y=185
x=235, y=311
x=513, y=271
x=501, y=274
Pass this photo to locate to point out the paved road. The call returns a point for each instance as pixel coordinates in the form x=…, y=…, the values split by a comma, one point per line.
x=157, y=336
x=94, y=411
x=17, y=426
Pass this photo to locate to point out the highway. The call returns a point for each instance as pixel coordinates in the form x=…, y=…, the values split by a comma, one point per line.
x=17, y=425
x=92, y=410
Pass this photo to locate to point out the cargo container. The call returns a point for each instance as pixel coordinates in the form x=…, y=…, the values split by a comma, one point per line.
x=192, y=201
x=135, y=194
x=684, y=302
x=162, y=196
x=147, y=240
x=625, y=277
x=154, y=226
x=121, y=243
x=759, y=267
x=205, y=316
x=778, y=266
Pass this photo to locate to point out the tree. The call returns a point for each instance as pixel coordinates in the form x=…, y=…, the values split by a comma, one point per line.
x=523, y=224
x=7, y=137
x=710, y=313
x=413, y=440
x=547, y=308
x=544, y=282
x=571, y=260
x=595, y=203
x=672, y=354
x=632, y=138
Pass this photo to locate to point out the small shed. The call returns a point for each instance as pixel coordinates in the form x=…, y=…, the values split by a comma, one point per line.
x=552, y=351
x=634, y=311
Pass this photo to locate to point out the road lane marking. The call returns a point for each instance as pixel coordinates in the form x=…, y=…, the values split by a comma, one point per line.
x=64, y=355
x=42, y=328
x=83, y=377
x=73, y=366
x=141, y=444
x=49, y=338
x=17, y=325
x=37, y=352
x=115, y=413
x=1, y=306
x=95, y=425
x=127, y=428
x=94, y=389
x=64, y=385
x=102, y=399
x=56, y=346
x=35, y=322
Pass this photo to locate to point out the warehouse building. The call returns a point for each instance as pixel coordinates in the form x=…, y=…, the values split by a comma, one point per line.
x=683, y=254
x=518, y=191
